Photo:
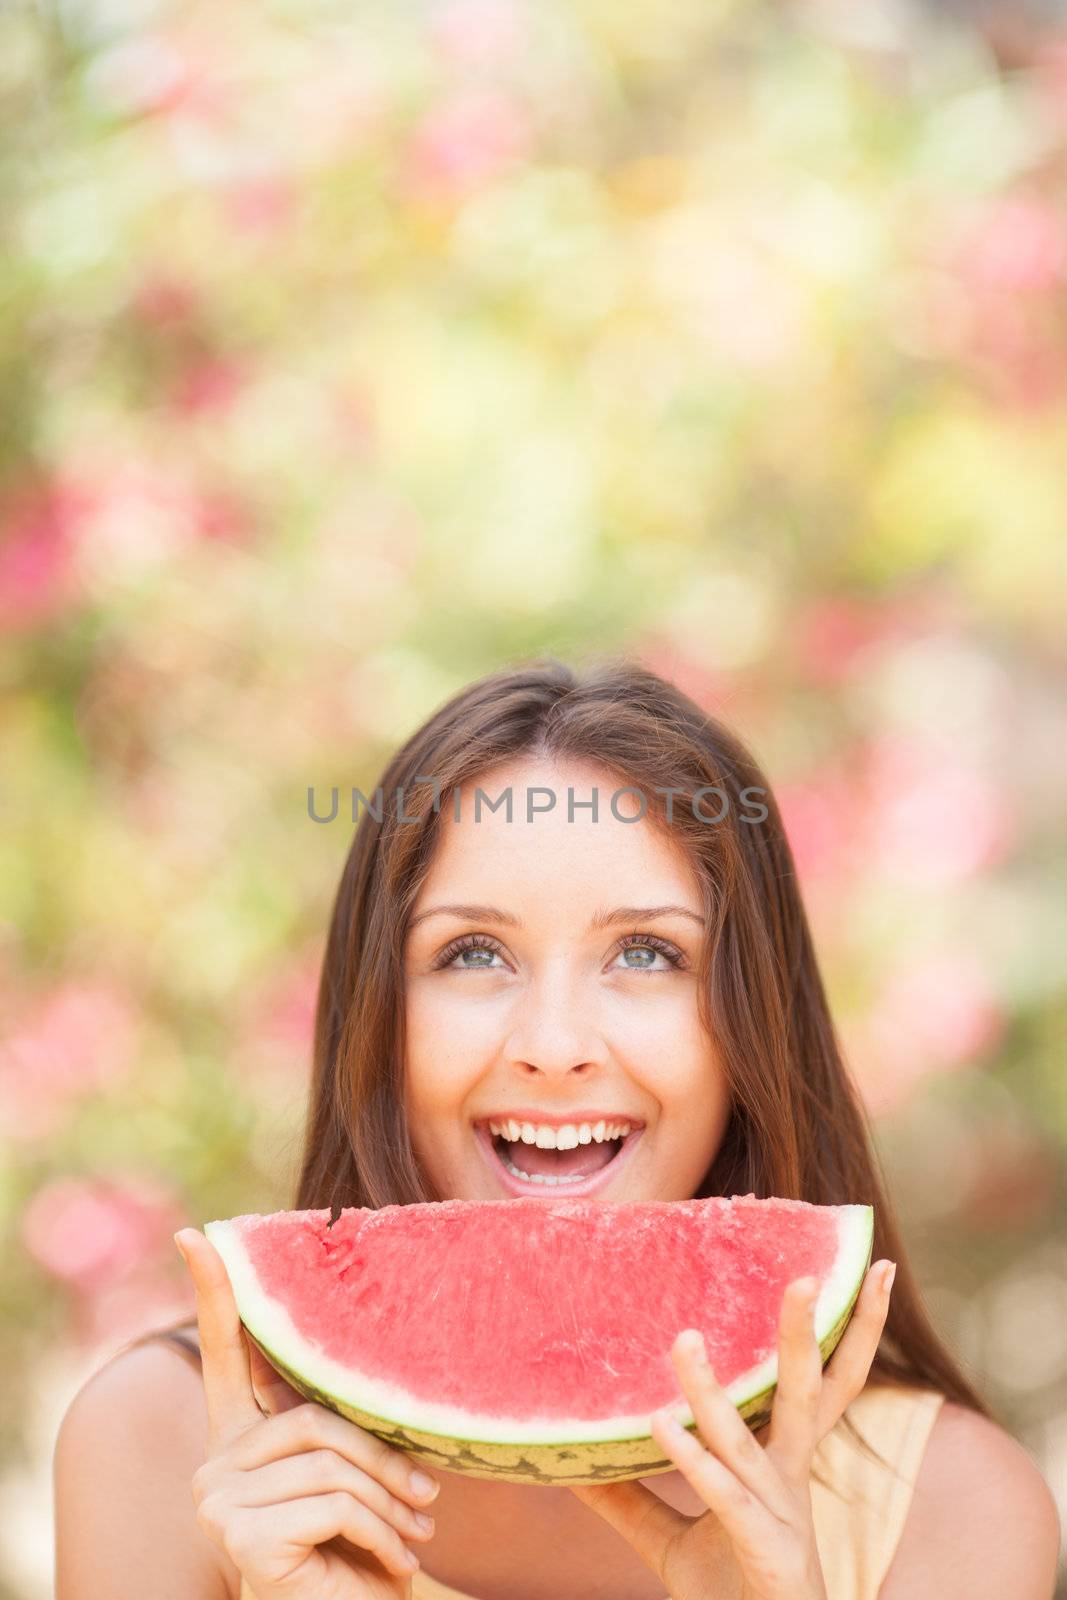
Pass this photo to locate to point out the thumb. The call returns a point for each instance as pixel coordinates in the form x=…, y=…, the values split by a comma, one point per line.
x=645, y=1521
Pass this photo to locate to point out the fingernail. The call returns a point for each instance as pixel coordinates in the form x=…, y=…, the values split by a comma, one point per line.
x=181, y=1247
x=413, y=1559
x=888, y=1274
x=424, y=1522
x=421, y=1484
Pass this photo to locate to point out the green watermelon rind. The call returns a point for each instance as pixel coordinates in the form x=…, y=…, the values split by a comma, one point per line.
x=551, y=1461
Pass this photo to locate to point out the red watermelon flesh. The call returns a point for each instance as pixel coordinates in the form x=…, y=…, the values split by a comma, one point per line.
x=529, y=1322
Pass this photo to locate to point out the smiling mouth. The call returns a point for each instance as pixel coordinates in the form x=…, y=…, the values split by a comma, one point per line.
x=531, y=1163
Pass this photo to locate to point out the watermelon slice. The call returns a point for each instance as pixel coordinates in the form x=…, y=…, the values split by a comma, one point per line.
x=529, y=1339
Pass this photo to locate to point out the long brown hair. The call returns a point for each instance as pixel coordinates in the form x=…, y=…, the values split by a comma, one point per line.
x=796, y=1129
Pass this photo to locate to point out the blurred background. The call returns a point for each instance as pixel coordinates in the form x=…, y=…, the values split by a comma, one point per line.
x=352, y=350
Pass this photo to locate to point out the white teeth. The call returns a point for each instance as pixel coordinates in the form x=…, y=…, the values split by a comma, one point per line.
x=564, y=1138
x=532, y=1177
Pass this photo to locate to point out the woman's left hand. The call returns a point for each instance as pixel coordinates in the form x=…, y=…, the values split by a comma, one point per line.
x=757, y=1539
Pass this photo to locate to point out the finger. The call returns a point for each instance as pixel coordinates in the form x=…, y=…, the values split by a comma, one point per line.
x=325, y=1472
x=231, y=1402
x=329, y=1516
x=645, y=1521
x=311, y=1427
x=721, y=1426
x=297, y=1525
x=846, y=1371
x=795, y=1408
x=748, y=1521
x=271, y=1389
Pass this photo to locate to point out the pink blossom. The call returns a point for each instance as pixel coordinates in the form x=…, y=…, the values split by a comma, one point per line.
x=38, y=577
x=141, y=74
x=1013, y=348
x=1049, y=72
x=178, y=73
x=277, y=1032
x=163, y=300
x=208, y=385
x=931, y=819
x=286, y=1013
x=289, y=1015
x=355, y=418
x=75, y=1040
x=820, y=816
x=836, y=635
x=92, y=1233
x=264, y=204
x=140, y=515
x=994, y=303
x=935, y=1012
x=221, y=516
x=1015, y=245
x=465, y=141
x=144, y=515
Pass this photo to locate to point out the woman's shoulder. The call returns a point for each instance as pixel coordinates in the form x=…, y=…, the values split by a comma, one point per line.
x=138, y=1388
x=876, y=1449
x=128, y=1445
x=153, y=1378
x=981, y=1522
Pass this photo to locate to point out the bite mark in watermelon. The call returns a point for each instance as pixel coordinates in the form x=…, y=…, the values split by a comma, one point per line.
x=529, y=1339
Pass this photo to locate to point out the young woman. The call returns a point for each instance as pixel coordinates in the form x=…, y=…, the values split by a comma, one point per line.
x=627, y=942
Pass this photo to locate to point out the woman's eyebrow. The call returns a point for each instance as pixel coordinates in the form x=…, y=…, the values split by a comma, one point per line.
x=602, y=919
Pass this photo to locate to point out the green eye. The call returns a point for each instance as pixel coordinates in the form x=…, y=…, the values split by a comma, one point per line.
x=649, y=941
x=469, y=941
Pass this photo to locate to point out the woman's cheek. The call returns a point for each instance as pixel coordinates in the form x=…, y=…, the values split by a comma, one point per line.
x=446, y=1037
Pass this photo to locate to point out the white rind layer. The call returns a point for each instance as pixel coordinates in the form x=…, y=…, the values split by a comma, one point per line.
x=272, y=1327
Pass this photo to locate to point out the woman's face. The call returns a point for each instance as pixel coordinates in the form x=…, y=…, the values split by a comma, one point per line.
x=544, y=1002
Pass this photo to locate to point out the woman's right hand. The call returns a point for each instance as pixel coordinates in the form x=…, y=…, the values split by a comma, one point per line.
x=306, y=1504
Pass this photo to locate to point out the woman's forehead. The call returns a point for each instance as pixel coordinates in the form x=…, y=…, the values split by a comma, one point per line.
x=580, y=855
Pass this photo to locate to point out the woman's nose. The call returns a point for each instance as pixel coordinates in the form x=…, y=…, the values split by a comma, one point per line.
x=554, y=1025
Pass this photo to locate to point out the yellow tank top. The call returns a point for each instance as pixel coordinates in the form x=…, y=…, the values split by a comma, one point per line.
x=858, y=1529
